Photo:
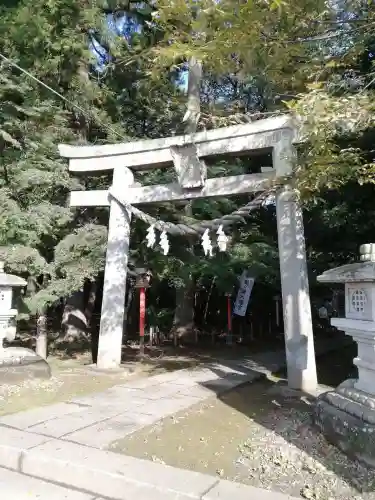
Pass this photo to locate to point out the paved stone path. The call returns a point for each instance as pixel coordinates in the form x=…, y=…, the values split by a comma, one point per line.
x=101, y=418
x=65, y=443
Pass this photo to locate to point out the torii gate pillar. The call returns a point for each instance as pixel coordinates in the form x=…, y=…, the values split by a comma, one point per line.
x=298, y=331
x=116, y=267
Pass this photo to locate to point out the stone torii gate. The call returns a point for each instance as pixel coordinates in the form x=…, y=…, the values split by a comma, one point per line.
x=186, y=153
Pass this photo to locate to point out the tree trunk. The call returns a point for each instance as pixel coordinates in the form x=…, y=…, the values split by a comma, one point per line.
x=74, y=319
x=41, y=320
x=78, y=312
x=183, y=323
x=41, y=335
x=128, y=304
x=90, y=305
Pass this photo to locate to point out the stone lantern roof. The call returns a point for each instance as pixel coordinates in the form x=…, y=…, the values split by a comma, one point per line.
x=363, y=271
x=10, y=280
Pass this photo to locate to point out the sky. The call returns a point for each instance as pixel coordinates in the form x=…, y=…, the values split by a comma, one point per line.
x=124, y=26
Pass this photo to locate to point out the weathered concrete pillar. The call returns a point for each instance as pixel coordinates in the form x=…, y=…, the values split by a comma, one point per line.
x=114, y=289
x=299, y=340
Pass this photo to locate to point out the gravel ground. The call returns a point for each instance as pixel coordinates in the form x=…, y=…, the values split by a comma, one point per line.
x=259, y=434
x=285, y=450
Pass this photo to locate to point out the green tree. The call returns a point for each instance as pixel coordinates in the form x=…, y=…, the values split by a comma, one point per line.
x=62, y=250
x=40, y=237
x=34, y=181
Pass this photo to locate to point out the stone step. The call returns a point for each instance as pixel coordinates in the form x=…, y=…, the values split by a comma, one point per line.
x=16, y=486
x=114, y=476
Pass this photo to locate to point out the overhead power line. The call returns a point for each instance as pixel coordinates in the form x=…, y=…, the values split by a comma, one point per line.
x=74, y=105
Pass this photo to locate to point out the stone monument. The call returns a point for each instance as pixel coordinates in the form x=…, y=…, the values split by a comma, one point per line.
x=346, y=415
x=16, y=363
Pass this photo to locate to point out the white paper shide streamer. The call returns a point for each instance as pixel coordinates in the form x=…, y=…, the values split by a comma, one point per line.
x=164, y=243
x=151, y=236
x=206, y=243
x=222, y=239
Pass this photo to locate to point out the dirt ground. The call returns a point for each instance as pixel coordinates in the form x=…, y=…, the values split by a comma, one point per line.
x=259, y=434
x=73, y=376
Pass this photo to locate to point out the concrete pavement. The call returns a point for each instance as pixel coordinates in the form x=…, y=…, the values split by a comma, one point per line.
x=16, y=486
x=62, y=449
x=99, y=419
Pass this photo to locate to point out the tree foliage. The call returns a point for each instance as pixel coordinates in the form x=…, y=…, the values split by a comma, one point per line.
x=101, y=73
x=35, y=182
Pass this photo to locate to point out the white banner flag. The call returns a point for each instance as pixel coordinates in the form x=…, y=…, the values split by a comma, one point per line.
x=243, y=295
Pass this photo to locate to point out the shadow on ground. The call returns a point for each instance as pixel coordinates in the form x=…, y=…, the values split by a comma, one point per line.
x=287, y=414
x=166, y=357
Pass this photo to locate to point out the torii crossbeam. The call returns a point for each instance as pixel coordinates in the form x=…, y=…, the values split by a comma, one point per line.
x=187, y=154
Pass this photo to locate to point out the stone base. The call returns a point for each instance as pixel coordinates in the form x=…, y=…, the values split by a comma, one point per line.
x=109, y=371
x=346, y=417
x=18, y=364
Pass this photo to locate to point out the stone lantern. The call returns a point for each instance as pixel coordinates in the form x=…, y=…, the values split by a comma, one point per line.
x=16, y=363
x=347, y=415
x=143, y=278
x=7, y=314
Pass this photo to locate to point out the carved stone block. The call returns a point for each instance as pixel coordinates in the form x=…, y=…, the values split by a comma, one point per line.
x=346, y=417
x=191, y=171
x=18, y=364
